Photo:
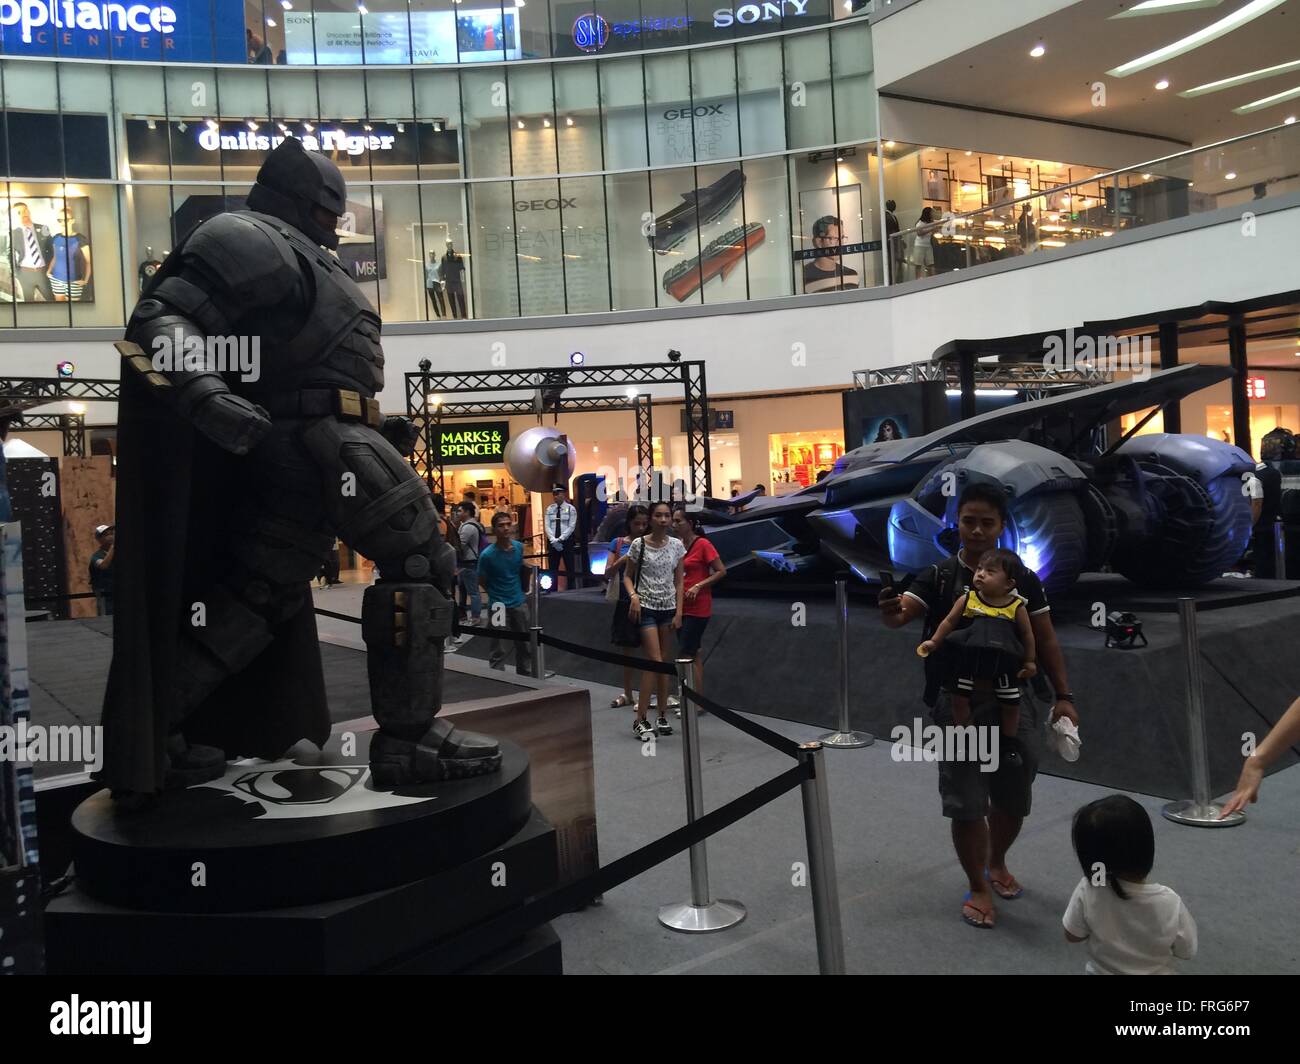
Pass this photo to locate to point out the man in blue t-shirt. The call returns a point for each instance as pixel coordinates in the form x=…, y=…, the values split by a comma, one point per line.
x=500, y=571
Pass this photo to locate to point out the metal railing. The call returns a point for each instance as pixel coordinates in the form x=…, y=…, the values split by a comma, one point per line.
x=1194, y=181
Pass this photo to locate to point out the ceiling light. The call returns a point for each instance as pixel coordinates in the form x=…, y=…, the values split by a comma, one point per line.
x=1289, y=120
x=1162, y=84
x=1212, y=32
x=968, y=153
x=1162, y=7
x=519, y=122
x=270, y=21
x=1146, y=177
x=401, y=127
x=367, y=128
x=362, y=9
x=1267, y=101
x=568, y=121
x=286, y=4
x=1241, y=79
x=1231, y=175
x=546, y=123
x=253, y=125
x=309, y=127
x=1039, y=50
x=211, y=124
x=151, y=124
x=77, y=408
x=889, y=144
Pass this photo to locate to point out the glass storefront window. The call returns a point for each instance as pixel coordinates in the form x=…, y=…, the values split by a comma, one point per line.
x=797, y=457
x=855, y=87
x=810, y=110
x=627, y=187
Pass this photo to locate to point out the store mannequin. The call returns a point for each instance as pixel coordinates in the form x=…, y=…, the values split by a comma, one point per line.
x=433, y=284
x=453, y=277
x=148, y=268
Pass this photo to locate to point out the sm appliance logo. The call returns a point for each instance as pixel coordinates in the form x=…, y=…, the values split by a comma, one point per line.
x=590, y=32
x=31, y=15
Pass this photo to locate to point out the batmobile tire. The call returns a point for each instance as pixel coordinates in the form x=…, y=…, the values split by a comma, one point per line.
x=1192, y=529
x=1052, y=537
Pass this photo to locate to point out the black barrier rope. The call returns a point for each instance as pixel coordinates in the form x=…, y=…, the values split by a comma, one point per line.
x=643, y=664
x=501, y=930
x=757, y=731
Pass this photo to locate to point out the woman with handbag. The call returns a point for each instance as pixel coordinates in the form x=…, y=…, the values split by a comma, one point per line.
x=638, y=523
x=653, y=578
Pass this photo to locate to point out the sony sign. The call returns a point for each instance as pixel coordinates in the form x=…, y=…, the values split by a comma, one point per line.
x=32, y=15
x=764, y=12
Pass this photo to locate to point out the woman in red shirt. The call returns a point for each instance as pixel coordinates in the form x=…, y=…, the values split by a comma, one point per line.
x=702, y=568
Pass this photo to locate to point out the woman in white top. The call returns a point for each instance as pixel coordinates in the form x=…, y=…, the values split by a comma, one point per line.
x=923, y=244
x=653, y=578
x=1132, y=927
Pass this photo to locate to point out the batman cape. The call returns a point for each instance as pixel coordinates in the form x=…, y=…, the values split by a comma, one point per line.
x=176, y=495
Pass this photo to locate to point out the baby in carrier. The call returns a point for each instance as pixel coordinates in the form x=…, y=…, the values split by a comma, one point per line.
x=987, y=638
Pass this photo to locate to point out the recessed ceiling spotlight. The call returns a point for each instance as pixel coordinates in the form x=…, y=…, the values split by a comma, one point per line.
x=1289, y=120
x=270, y=21
x=1162, y=84
x=1231, y=175
x=889, y=144
x=1039, y=50
x=546, y=123
x=968, y=153
x=253, y=125
x=1212, y=32
x=151, y=124
x=211, y=124
x=568, y=121
x=519, y=122
x=309, y=127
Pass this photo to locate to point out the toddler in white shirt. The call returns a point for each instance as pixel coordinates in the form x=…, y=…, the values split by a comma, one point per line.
x=1132, y=927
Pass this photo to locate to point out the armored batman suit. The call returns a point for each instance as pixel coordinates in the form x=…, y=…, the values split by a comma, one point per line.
x=306, y=457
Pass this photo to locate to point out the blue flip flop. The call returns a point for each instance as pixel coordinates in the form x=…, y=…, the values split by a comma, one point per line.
x=998, y=889
x=981, y=924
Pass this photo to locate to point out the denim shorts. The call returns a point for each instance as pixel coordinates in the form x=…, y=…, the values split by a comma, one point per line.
x=690, y=635
x=654, y=618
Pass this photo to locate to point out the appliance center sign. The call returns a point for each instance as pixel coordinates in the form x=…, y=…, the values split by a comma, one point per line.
x=477, y=443
x=32, y=15
x=184, y=30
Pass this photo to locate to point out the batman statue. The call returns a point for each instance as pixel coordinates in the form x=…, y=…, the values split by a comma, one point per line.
x=234, y=476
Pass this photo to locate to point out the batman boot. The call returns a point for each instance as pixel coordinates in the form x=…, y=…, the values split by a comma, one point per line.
x=404, y=626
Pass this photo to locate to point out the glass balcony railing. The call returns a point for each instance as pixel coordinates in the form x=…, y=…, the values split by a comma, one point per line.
x=1231, y=173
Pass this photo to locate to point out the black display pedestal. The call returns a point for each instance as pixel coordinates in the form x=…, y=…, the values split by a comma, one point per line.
x=299, y=867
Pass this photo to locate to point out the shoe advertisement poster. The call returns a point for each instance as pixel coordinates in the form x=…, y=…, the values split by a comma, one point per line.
x=704, y=236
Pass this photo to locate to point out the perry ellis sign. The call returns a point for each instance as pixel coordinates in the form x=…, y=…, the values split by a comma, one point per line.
x=471, y=443
x=765, y=12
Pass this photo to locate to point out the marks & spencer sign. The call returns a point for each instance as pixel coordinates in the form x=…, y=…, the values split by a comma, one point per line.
x=477, y=443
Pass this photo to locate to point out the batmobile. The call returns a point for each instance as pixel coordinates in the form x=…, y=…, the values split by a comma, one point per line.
x=1164, y=510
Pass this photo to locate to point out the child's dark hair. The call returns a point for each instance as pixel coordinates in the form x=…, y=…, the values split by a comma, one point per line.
x=1006, y=560
x=986, y=493
x=1115, y=833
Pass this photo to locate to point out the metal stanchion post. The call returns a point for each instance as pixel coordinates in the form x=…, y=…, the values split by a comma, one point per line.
x=821, y=862
x=846, y=738
x=1279, y=550
x=1199, y=811
x=701, y=913
x=535, y=625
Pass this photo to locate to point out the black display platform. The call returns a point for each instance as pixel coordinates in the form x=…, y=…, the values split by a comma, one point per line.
x=402, y=929
x=293, y=832
x=777, y=656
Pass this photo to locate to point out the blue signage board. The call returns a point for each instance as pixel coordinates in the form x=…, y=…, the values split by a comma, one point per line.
x=158, y=30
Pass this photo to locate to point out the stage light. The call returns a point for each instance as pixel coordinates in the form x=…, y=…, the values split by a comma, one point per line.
x=546, y=581
x=577, y=358
x=77, y=408
x=674, y=356
x=66, y=369
x=1122, y=629
x=425, y=365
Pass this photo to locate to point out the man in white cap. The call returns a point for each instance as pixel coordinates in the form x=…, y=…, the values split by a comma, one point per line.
x=101, y=571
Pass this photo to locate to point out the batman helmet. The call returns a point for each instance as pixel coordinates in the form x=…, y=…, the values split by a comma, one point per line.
x=293, y=182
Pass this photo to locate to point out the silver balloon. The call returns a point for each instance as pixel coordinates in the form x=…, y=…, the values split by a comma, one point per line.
x=541, y=457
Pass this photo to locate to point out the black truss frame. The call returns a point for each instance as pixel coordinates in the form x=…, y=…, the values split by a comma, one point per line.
x=18, y=394
x=423, y=384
